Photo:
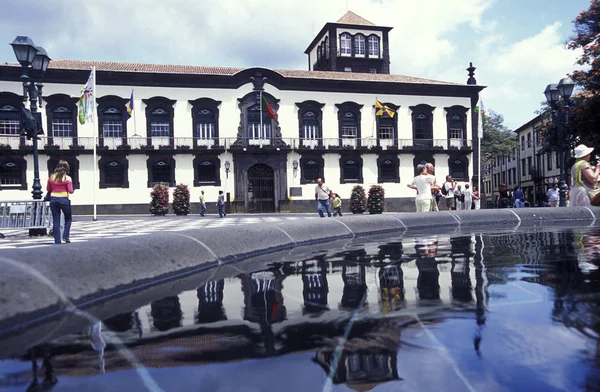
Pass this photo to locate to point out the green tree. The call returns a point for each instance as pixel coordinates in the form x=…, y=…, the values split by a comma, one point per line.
x=584, y=110
x=497, y=139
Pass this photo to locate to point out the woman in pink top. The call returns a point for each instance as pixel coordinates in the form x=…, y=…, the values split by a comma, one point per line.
x=60, y=186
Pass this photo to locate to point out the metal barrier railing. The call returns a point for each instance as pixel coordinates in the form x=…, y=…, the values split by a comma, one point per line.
x=24, y=214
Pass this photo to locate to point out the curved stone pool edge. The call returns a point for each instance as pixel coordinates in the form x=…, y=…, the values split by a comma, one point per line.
x=90, y=273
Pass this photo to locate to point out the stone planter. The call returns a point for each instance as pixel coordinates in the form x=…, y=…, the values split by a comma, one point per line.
x=124, y=147
x=51, y=148
x=76, y=147
x=183, y=147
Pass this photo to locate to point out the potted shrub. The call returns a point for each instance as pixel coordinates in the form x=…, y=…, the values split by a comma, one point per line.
x=358, y=200
x=183, y=147
x=181, y=200
x=25, y=147
x=51, y=147
x=124, y=147
x=159, y=203
x=165, y=147
x=147, y=147
x=376, y=199
x=5, y=147
x=76, y=147
x=201, y=147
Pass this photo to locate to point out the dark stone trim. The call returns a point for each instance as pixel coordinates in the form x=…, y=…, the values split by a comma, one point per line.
x=205, y=103
x=104, y=160
x=152, y=159
x=52, y=102
x=395, y=160
x=73, y=166
x=22, y=163
x=155, y=103
x=311, y=156
x=457, y=110
x=308, y=106
x=132, y=79
x=106, y=102
x=349, y=107
x=355, y=156
x=214, y=159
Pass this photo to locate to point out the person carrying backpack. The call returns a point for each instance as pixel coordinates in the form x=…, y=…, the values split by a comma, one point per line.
x=448, y=192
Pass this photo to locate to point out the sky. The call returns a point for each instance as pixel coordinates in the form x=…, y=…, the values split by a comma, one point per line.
x=517, y=46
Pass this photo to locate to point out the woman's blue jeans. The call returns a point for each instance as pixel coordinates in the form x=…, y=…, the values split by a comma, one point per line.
x=58, y=204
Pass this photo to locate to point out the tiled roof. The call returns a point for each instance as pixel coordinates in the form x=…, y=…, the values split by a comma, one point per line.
x=353, y=19
x=230, y=71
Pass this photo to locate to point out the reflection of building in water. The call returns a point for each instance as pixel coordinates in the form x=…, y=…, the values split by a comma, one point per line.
x=263, y=302
x=367, y=360
x=461, y=252
x=355, y=286
x=121, y=322
x=166, y=313
x=391, y=287
x=314, y=286
x=210, y=302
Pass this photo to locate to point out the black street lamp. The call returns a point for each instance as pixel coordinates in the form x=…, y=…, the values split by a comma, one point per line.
x=564, y=90
x=27, y=55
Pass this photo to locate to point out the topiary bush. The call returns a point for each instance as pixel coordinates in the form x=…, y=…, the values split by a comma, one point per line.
x=358, y=200
x=181, y=200
x=376, y=199
x=159, y=203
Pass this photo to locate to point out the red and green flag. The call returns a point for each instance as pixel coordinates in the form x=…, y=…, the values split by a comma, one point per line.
x=268, y=108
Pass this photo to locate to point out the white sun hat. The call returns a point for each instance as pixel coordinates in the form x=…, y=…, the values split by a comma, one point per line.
x=582, y=150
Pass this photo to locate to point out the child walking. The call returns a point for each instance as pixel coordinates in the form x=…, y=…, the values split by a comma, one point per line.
x=337, y=205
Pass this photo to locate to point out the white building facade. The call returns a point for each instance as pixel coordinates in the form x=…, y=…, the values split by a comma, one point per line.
x=202, y=126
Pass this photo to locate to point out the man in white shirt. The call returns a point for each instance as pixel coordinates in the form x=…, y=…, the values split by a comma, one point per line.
x=322, y=195
x=553, y=195
x=449, y=186
x=422, y=183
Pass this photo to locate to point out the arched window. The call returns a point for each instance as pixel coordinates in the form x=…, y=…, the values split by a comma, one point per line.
x=161, y=173
x=359, y=45
x=319, y=53
x=458, y=169
x=456, y=127
x=10, y=174
x=62, y=122
x=310, y=126
x=254, y=131
x=349, y=125
x=345, y=44
x=159, y=123
x=388, y=168
x=112, y=122
x=206, y=172
x=9, y=120
x=374, y=46
x=422, y=116
x=113, y=174
x=327, y=47
x=205, y=124
x=351, y=168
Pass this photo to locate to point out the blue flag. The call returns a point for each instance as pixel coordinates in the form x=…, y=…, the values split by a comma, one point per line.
x=129, y=106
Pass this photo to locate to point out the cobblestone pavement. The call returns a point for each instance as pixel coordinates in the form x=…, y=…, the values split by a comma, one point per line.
x=84, y=228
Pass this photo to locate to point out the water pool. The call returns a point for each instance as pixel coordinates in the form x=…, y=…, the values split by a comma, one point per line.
x=508, y=311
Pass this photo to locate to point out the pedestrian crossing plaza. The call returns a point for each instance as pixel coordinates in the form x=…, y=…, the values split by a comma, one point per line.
x=85, y=229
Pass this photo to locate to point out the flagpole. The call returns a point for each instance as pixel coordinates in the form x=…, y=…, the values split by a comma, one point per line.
x=260, y=135
x=95, y=132
x=375, y=115
x=479, y=136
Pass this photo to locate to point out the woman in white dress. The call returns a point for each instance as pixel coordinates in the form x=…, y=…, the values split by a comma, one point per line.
x=468, y=198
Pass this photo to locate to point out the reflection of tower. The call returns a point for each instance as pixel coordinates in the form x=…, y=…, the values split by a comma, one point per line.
x=210, y=302
x=428, y=284
x=355, y=286
x=315, y=286
x=166, y=313
x=480, y=291
x=391, y=285
x=461, y=281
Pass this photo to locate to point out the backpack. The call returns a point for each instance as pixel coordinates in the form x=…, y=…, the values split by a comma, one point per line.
x=444, y=190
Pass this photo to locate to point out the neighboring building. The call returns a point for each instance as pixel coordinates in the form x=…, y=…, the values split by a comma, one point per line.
x=202, y=126
x=529, y=166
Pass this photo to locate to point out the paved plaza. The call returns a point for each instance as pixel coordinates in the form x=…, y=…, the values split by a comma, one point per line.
x=116, y=226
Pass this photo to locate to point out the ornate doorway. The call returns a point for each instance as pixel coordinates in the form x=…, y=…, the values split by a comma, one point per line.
x=261, y=189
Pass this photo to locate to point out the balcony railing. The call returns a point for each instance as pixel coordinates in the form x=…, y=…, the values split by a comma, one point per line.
x=13, y=142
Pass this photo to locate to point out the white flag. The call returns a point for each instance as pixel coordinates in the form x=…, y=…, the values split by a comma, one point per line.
x=87, y=101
